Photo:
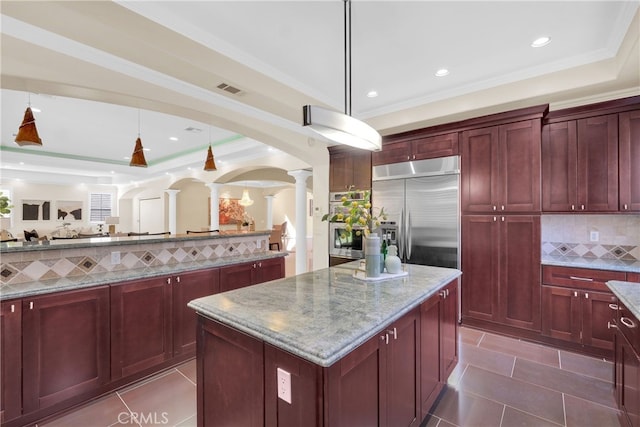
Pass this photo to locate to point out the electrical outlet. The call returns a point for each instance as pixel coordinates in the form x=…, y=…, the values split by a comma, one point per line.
x=115, y=258
x=284, y=385
x=258, y=243
x=594, y=236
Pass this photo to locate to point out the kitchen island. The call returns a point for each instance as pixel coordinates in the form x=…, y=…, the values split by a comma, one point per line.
x=325, y=348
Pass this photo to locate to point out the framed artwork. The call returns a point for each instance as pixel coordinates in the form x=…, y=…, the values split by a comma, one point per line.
x=229, y=211
x=69, y=210
x=36, y=210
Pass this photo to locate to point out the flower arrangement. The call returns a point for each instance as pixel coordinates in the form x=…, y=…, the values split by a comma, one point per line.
x=5, y=205
x=357, y=216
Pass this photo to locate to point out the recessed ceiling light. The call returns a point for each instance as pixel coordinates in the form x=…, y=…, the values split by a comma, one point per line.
x=442, y=72
x=541, y=41
x=173, y=138
x=372, y=94
x=112, y=172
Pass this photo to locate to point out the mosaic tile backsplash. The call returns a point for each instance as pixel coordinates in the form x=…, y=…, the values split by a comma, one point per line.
x=25, y=267
x=618, y=236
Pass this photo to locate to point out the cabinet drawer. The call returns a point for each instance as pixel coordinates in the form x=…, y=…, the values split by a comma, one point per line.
x=629, y=326
x=582, y=278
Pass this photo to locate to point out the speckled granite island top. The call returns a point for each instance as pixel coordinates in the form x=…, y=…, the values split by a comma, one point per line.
x=592, y=263
x=323, y=315
x=628, y=293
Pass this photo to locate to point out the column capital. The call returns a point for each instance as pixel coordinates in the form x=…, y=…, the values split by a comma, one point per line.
x=300, y=174
x=171, y=191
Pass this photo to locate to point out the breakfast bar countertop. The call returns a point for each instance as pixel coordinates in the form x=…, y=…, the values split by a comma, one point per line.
x=323, y=315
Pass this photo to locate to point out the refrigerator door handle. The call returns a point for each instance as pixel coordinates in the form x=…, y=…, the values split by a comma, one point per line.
x=401, y=235
x=408, y=240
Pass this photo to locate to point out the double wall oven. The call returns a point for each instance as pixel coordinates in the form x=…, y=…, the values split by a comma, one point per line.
x=344, y=245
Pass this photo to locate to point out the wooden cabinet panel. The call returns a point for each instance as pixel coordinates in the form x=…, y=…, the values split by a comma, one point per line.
x=349, y=169
x=67, y=350
x=596, y=316
x=479, y=170
x=627, y=369
x=395, y=152
x=629, y=160
x=598, y=163
x=270, y=269
x=429, y=147
x=187, y=287
x=633, y=277
x=580, y=278
x=561, y=317
x=230, y=369
x=430, y=366
x=140, y=325
x=449, y=330
x=10, y=360
x=559, y=166
x=250, y=273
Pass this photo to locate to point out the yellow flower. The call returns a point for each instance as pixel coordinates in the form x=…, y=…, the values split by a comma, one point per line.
x=343, y=199
x=340, y=217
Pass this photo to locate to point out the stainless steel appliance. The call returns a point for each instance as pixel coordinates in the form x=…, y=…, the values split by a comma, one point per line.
x=422, y=198
x=344, y=245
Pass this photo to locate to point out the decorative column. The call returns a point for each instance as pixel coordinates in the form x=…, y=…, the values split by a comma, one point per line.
x=269, y=212
x=214, y=206
x=172, y=210
x=301, y=218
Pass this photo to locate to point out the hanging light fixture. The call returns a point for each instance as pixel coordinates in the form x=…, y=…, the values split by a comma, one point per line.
x=335, y=126
x=137, y=158
x=27, y=132
x=245, y=200
x=210, y=164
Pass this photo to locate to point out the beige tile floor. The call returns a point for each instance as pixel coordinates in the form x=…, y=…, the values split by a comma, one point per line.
x=498, y=382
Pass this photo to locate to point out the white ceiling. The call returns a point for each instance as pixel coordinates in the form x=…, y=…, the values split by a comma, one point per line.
x=101, y=71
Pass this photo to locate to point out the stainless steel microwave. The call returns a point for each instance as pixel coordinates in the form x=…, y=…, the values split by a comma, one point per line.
x=345, y=244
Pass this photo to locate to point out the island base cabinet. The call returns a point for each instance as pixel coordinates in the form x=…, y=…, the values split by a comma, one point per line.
x=67, y=352
x=627, y=381
x=10, y=360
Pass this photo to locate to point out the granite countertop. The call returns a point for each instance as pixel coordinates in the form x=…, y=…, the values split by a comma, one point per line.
x=40, y=287
x=43, y=245
x=628, y=293
x=593, y=263
x=323, y=315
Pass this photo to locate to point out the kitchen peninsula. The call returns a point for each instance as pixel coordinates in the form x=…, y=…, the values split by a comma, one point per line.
x=83, y=317
x=327, y=349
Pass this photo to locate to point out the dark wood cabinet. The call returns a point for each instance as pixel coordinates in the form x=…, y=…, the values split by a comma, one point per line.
x=577, y=305
x=501, y=261
x=427, y=147
x=629, y=160
x=349, y=169
x=580, y=165
x=501, y=168
x=67, y=349
x=10, y=360
x=627, y=366
x=250, y=273
x=140, y=325
x=438, y=324
x=187, y=287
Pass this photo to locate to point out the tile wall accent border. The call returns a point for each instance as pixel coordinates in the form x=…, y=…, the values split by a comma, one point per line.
x=24, y=267
x=587, y=250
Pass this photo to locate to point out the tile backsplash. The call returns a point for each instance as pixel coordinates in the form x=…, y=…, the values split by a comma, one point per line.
x=618, y=236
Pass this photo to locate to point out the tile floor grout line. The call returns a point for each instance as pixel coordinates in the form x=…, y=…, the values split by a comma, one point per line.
x=181, y=421
x=128, y=409
x=188, y=379
x=559, y=359
x=147, y=380
x=513, y=366
x=564, y=409
x=504, y=408
x=480, y=340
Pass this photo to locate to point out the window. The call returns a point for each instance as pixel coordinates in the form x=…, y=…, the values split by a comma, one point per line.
x=100, y=206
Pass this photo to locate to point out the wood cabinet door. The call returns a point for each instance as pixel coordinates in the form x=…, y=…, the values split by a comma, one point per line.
x=187, y=287
x=519, y=293
x=559, y=167
x=10, y=360
x=596, y=315
x=629, y=160
x=402, y=371
x=561, y=313
x=230, y=377
x=480, y=263
x=430, y=366
x=598, y=163
x=66, y=350
x=520, y=158
x=361, y=169
x=395, y=152
x=140, y=325
x=350, y=169
x=449, y=330
x=479, y=170
x=270, y=269
x=629, y=376
x=435, y=146
x=237, y=276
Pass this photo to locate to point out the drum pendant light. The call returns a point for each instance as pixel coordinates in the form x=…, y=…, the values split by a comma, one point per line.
x=27, y=132
x=137, y=158
x=335, y=126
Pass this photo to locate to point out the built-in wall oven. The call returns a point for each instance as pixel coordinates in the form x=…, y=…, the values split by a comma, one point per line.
x=344, y=245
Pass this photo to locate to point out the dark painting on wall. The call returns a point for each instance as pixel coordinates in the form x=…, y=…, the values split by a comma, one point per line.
x=69, y=211
x=36, y=210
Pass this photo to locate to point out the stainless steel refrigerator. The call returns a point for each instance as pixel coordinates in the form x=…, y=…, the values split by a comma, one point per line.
x=421, y=199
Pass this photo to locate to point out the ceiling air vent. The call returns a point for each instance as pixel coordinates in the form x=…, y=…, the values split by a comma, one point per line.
x=192, y=129
x=228, y=88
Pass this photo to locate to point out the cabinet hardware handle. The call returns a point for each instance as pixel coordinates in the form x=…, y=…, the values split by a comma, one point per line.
x=502, y=219
x=582, y=207
x=584, y=279
x=447, y=291
x=414, y=157
x=502, y=207
x=586, y=295
x=495, y=208
x=13, y=308
x=394, y=332
x=627, y=322
x=625, y=207
x=31, y=305
x=385, y=338
x=575, y=293
x=443, y=294
x=613, y=306
x=611, y=326
x=178, y=279
x=260, y=264
x=573, y=207
x=495, y=219
x=168, y=280
x=254, y=265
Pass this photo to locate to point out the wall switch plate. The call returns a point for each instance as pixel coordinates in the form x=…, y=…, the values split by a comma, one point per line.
x=284, y=385
x=258, y=243
x=115, y=258
x=594, y=236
